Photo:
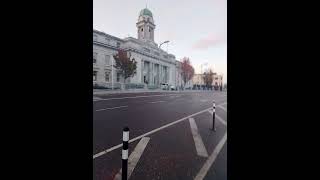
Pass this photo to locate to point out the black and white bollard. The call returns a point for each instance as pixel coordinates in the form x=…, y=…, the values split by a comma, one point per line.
x=125, y=147
x=214, y=116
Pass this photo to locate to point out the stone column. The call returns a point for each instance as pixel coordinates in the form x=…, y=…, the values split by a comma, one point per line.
x=169, y=74
x=148, y=73
x=160, y=73
x=151, y=74
x=142, y=68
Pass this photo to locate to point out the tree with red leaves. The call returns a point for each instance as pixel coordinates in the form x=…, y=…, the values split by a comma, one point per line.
x=125, y=65
x=187, y=71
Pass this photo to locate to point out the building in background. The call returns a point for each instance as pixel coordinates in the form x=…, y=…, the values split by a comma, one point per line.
x=154, y=66
x=198, y=80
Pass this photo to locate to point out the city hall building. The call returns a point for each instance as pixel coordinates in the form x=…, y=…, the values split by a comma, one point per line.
x=154, y=66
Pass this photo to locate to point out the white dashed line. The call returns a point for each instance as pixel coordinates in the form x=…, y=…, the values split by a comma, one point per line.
x=205, y=168
x=156, y=102
x=96, y=98
x=201, y=149
x=111, y=108
x=134, y=157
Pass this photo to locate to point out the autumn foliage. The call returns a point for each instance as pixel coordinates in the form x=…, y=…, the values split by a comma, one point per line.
x=187, y=71
x=125, y=65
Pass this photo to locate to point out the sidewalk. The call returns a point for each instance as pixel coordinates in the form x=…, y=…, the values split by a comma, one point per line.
x=102, y=92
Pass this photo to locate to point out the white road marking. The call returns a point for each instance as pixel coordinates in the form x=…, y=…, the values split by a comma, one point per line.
x=133, y=97
x=134, y=157
x=153, y=131
x=223, y=104
x=201, y=149
x=205, y=168
x=222, y=108
x=150, y=132
x=111, y=108
x=203, y=100
x=218, y=117
x=174, y=96
x=156, y=102
x=96, y=98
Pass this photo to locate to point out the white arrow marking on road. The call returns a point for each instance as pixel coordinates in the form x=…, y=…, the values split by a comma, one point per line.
x=134, y=157
x=201, y=149
x=111, y=108
x=205, y=168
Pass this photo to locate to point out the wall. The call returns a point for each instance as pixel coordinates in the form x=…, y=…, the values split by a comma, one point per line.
x=198, y=79
x=156, y=58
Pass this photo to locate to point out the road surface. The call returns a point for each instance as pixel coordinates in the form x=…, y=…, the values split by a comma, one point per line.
x=170, y=136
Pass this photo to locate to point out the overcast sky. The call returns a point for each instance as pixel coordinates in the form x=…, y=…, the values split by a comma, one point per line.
x=195, y=28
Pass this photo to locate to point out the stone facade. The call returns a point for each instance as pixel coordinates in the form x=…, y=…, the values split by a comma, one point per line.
x=154, y=66
x=198, y=79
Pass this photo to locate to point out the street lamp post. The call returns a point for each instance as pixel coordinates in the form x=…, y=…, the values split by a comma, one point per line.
x=112, y=74
x=163, y=43
x=175, y=74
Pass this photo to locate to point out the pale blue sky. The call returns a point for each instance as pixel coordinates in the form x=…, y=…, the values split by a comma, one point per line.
x=195, y=28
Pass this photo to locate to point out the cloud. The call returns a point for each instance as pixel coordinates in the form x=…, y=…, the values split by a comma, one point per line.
x=209, y=41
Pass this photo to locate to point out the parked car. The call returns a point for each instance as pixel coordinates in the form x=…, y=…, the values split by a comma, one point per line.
x=173, y=88
x=165, y=86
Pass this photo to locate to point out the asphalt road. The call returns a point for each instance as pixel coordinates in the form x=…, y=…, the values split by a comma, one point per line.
x=172, y=151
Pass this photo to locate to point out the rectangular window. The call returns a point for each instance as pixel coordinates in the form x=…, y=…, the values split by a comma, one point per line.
x=118, y=77
x=95, y=57
x=107, y=60
x=118, y=44
x=107, y=76
x=94, y=75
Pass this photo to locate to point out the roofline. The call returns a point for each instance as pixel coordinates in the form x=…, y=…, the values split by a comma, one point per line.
x=133, y=50
x=105, y=34
x=145, y=22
